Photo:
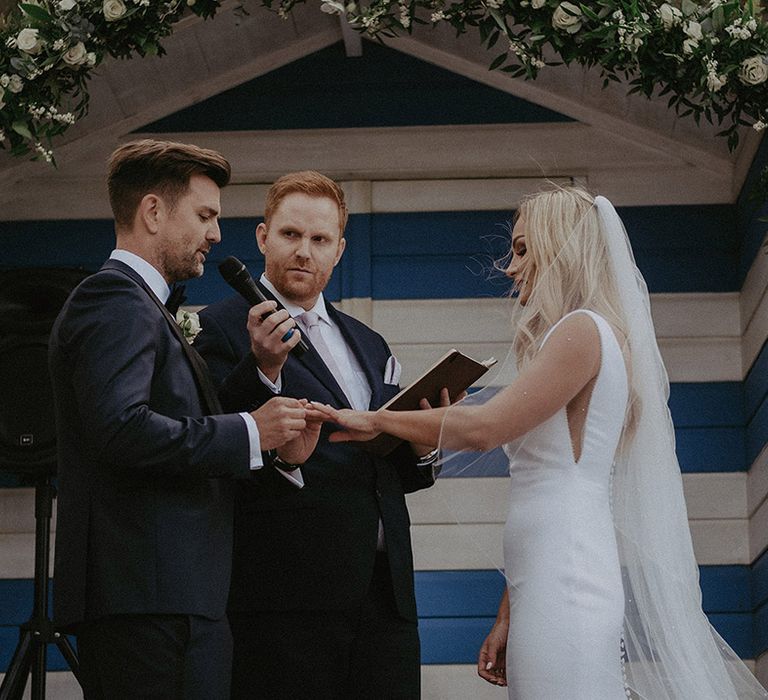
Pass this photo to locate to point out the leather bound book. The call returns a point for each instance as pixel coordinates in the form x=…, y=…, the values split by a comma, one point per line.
x=454, y=371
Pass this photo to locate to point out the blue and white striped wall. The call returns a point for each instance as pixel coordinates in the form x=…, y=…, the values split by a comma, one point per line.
x=420, y=278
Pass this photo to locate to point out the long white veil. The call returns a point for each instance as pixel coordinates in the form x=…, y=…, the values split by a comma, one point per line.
x=669, y=649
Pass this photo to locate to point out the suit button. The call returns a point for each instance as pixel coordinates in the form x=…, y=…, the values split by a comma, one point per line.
x=378, y=493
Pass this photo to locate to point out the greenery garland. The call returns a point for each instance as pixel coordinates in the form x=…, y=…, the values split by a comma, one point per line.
x=708, y=60
x=49, y=48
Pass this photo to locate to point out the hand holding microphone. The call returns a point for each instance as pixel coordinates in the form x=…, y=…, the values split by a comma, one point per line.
x=269, y=324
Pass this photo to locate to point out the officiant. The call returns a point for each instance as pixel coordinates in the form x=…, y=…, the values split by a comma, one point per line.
x=322, y=599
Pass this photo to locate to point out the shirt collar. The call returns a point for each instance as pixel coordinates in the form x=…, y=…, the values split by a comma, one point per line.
x=294, y=309
x=146, y=271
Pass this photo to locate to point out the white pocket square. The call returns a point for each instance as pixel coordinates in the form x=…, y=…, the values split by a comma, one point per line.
x=392, y=371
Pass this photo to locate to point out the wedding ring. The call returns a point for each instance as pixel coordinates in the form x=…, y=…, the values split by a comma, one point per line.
x=288, y=335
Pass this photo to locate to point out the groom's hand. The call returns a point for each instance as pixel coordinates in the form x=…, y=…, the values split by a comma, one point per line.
x=299, y=449
x=279, y=421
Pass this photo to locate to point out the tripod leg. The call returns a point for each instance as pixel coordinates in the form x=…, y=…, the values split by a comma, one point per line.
x=38, y=670
x=69, y=654
x=15, y=680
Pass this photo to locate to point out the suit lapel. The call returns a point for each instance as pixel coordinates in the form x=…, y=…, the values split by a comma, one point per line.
x=199, y=368
x=375, y=378
x=312, y=361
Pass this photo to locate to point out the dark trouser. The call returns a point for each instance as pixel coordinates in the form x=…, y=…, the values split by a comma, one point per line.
x=368, y=652
x=169, y=657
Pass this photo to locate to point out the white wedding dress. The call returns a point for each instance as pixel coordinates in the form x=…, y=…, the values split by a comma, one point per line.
x=560, y=552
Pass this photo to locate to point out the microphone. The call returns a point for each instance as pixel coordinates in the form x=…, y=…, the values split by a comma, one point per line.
x=237, y=276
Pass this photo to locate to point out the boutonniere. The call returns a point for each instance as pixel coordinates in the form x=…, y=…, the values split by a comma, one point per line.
x=189, y=322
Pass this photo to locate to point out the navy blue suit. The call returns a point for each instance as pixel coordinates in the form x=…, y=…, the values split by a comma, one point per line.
x=144, y=527
x=314, y=549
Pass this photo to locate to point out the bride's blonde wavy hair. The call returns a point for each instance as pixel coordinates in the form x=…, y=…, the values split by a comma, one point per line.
x=570, y=269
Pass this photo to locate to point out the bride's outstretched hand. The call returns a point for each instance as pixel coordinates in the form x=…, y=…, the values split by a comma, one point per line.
x=356, y=425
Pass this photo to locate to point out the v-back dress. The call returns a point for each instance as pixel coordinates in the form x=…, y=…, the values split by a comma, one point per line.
x=560, y=554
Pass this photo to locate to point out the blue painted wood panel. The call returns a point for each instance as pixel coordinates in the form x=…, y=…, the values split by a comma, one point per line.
x=456, y=610
x=436, y=255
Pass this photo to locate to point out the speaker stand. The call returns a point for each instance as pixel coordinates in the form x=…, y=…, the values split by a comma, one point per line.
x=37, y=633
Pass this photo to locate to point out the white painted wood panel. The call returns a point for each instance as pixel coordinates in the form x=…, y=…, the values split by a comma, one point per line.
x=757, y=482
x=441, y=547
x=719, y=496
x=715, y=503
x=17, y=555
x=688, y=360
x=720, y=541
x=502, y=194
x=754, y=319
x=698, y=334
x=674, y=315
x=457, y=682
x=467, y=546
x=59, y=685
x=758, y=531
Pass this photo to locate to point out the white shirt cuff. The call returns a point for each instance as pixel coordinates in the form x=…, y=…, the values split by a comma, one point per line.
x=256, y=461
x=274, y=387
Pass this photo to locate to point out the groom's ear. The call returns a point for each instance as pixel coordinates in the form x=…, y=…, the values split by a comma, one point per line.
x=150, y=212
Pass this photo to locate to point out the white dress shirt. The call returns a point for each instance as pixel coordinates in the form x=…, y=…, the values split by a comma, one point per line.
x=353, y=375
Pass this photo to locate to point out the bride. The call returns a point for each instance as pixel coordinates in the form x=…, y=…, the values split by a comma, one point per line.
x=602, y=598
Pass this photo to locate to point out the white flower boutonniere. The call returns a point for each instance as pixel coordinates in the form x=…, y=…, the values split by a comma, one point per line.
x=189, y=322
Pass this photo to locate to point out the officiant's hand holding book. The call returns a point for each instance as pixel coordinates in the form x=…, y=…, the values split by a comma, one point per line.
x=454, y=371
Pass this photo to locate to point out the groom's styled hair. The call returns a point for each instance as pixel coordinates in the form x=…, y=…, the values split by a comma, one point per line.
x=147, y=166
x=308, y=182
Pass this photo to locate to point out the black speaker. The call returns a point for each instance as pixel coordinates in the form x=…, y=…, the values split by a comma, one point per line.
x=30, y=300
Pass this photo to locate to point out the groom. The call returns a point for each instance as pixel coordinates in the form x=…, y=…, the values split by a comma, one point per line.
x=144, y=529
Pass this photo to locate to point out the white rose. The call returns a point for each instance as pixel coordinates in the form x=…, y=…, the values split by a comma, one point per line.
x=567, y=18
x=5, y=79
x=754, y=70
x=15, y=84
x=537, y=4
x=90, y=58
x=693, y=30
x=689, y=45
x=29, y=41
x=715, y=82
x=113, y=9
x=75, y=55
x=670, y=16
x=66, y=5
x=189, y=323
x=332, y=8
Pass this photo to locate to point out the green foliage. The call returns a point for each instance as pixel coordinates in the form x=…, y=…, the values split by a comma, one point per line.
x=49, y=48
x=708, y=61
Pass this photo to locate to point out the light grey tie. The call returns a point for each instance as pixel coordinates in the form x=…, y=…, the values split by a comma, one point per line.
x=310, y=321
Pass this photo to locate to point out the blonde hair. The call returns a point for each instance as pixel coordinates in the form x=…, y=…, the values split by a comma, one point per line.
x=570, y=270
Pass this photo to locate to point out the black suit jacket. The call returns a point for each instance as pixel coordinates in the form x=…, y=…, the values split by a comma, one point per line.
x=313, y=548
x=142, y=524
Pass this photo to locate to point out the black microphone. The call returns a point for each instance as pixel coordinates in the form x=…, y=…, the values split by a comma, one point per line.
x=237, y=276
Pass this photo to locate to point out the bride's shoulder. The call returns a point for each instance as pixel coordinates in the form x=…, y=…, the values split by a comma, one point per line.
x=577, y=330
